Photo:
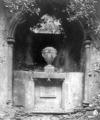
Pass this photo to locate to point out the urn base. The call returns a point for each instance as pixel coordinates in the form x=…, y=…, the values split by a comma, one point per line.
x=49, y=68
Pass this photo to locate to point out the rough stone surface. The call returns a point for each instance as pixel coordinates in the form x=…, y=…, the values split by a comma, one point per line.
x=59, y=95
x=3, y=58
x=94, y=75
x=94, y=78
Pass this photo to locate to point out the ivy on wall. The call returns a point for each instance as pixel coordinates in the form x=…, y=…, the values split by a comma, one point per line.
x=81, y=10
x=21, y=6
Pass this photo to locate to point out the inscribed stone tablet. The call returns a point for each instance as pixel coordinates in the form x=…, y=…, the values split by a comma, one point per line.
x=47, y=92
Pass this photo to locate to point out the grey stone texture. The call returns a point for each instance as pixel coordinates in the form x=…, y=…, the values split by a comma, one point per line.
x=94, y=76
x=3, y=58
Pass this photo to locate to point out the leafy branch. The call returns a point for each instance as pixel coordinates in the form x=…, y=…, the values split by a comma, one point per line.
x=82, y=10
x=22, y=6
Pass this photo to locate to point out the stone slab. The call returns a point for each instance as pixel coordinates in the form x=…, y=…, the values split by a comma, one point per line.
x=27, y=74
x=49, y=75
x=47, y=92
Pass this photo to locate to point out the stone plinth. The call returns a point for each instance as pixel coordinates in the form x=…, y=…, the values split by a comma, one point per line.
x=49, y=69
x=63, y=93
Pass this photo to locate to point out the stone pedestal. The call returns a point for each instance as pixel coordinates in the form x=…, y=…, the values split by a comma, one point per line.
x=49, y=69
x=62, y=94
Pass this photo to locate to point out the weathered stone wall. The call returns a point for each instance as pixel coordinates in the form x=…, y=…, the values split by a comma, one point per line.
x=32, y=90
x=3, y=57
x=94, y=75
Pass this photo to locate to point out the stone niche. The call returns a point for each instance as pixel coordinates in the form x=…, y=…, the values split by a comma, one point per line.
x=42, y=92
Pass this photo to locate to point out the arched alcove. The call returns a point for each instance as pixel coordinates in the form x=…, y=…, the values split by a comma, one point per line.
x=28, y=59
x=28, y=46
x=68, y=45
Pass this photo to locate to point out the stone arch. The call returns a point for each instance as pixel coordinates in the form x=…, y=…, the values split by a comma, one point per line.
x=12, y=27
x=10, y=39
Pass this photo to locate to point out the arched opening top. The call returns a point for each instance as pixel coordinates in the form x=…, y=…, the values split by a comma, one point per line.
x=28, y=46
x=68, y=44
x=12, y=26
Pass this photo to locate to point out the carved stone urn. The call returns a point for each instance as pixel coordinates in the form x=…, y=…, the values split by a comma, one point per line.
x=49, y=54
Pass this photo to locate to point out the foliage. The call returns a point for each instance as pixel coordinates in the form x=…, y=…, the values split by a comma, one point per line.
x=48, y=24
x=22, y=6
x=81, y=10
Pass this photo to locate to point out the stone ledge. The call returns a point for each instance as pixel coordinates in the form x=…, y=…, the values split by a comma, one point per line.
x=56, y=75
